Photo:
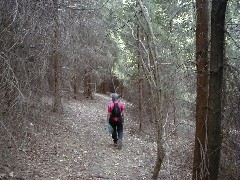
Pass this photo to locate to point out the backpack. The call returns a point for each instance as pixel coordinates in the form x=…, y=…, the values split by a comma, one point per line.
x=116, y=112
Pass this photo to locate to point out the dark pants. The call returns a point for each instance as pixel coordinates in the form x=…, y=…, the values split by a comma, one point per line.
x=117, y=130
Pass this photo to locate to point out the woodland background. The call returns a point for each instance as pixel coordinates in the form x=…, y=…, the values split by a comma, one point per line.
x=143, y=50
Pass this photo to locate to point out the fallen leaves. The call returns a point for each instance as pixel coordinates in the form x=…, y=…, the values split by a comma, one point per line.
x=77, y=146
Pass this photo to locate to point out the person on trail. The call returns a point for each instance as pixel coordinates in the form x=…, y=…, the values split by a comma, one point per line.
x=115, y=117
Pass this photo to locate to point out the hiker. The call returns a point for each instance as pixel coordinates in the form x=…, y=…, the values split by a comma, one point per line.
x=116, y=119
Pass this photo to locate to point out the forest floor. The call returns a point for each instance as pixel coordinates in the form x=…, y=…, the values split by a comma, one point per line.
x=77, y=146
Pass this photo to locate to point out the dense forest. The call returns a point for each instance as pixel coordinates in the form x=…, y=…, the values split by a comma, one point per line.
x=174, y=63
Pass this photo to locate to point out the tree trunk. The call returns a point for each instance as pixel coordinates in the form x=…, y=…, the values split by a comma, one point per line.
x=76, y=85
x=140, y=92
x=57, y=104
x=88, y=83
x=160, y=150
x=199, y=164
x=140, y=82
x=174, y=112
x=215, y=87
x=152, y=71
x=238, y=136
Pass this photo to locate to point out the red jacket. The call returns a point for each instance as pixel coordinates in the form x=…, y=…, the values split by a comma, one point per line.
x=110, y=108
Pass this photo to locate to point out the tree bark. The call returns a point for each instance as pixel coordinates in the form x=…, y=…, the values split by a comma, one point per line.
x=199, y=164
x=215, y=87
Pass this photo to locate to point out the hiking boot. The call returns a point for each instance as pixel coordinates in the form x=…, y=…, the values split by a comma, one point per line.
x=119, y=144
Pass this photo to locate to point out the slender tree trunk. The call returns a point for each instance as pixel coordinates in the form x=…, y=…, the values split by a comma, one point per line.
x=76, y=85
x=57, y=104
x=174, y=111
x=238, y=136
x=154, y=78
x=140, y=82
x=199, y=164
x=160, y=149
x=152, y=108
x=88, y=83
x=215, y=87
x=140, y=92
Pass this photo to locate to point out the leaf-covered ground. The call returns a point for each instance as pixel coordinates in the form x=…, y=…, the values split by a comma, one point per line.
x=76, y=145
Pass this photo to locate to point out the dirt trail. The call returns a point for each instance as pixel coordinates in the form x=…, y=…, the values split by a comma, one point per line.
x=79, y=147
x=101, y=159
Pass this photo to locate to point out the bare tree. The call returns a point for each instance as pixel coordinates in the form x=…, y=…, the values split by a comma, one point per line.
x=153, y=73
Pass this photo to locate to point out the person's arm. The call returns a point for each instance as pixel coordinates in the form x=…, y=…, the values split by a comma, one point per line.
x=108, y=116
x=109, y=112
